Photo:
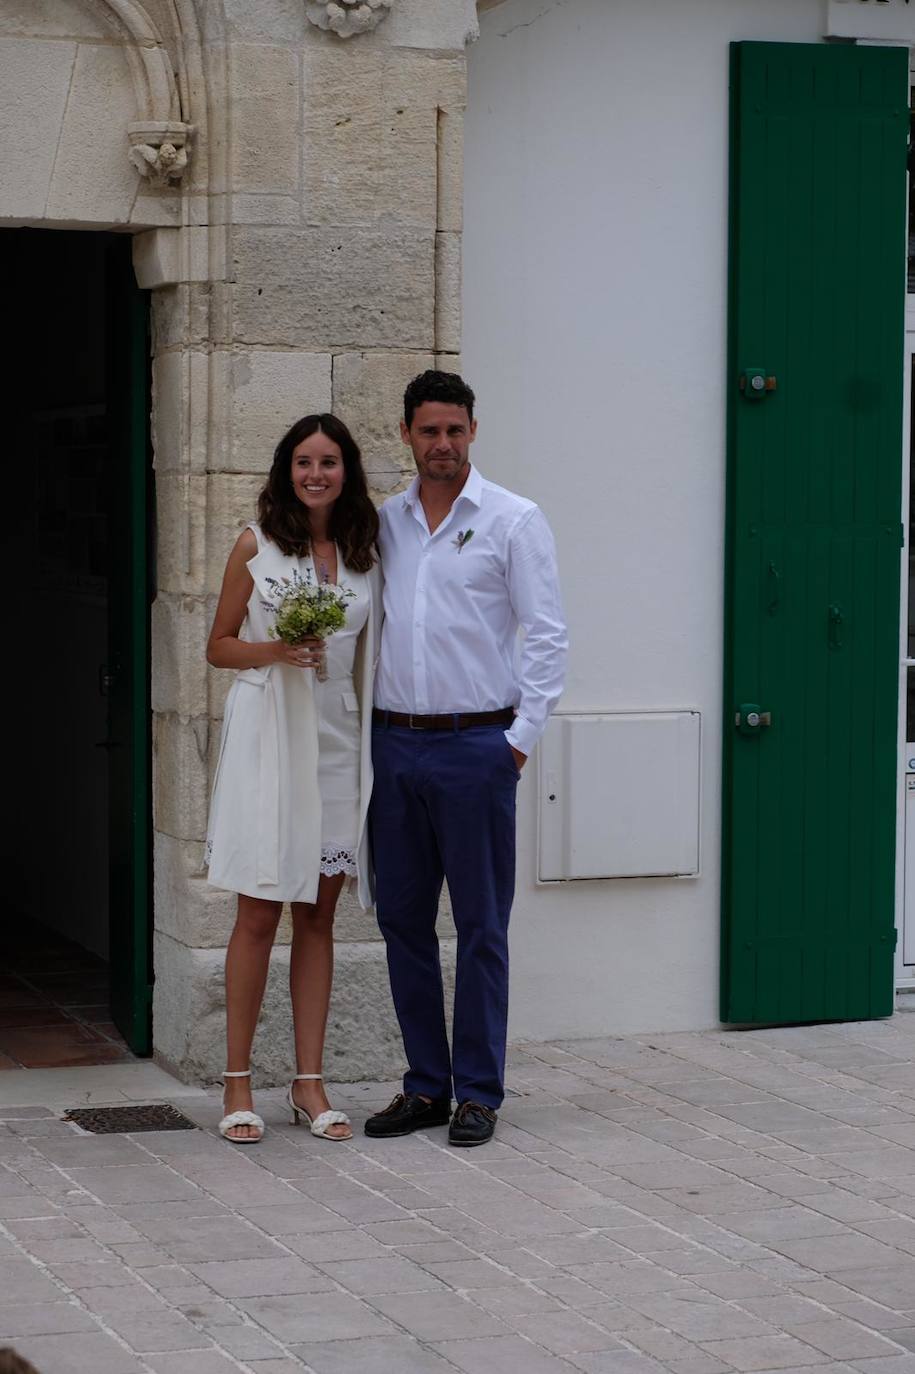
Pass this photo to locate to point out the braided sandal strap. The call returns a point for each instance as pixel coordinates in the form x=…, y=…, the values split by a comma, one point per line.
x=240, y=1119
x=329, y=1118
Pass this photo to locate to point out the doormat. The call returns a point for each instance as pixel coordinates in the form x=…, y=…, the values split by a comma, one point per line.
x=127, y=1120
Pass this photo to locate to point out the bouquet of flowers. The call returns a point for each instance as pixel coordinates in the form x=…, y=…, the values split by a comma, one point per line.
x=306, y=610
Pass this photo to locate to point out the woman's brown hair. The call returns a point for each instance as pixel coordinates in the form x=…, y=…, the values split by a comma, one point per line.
x=353, y=521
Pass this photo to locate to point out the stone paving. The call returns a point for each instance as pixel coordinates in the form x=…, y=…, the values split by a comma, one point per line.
x=699, y=1204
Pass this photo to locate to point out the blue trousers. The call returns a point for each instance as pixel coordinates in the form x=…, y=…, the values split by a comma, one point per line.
x=443, y=806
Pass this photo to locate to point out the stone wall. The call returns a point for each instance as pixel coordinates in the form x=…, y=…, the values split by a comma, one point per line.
x=340, y=281
x=306, y=257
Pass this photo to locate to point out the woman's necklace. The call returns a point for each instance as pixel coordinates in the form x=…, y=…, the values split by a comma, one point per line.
x=321, y=564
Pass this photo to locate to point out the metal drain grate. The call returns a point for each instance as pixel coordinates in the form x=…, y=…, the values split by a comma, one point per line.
x=124, y=1120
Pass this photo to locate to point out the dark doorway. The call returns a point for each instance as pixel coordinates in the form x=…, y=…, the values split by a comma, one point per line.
x=75, y=944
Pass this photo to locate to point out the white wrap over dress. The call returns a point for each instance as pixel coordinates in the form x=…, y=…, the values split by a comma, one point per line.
x=294, y=774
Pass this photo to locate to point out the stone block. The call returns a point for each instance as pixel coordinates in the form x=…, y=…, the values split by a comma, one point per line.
x=187, y=909
x=219, y=313
x=53, y=19
x=219, y=680
x=368, y=395
x=450, y=213
x=231, y=504
x=34, y=82
x=156, y=258
x=165, y=257
x=181, y=993
x=339, y=289
x=181, y=315
x=263, y=393
x=180, y=775
x=446, y=25
x=269, y=21
x=363, y=1040
x=180, y=411
x=168, y=318
x=179, y=667
x=201, y=208
x=448, y=292
x=181, y=522
x=155, y=207
x=101, y=104
x=263, y=108
x=266, y=209
x=351, y=923
x=370, y=132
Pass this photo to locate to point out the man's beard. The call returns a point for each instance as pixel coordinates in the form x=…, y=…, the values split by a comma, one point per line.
x=432, y=475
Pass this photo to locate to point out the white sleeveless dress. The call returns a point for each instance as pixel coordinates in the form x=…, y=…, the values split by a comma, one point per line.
x=293, y=779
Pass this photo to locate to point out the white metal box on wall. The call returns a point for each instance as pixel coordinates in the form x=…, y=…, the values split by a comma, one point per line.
x=619, y=796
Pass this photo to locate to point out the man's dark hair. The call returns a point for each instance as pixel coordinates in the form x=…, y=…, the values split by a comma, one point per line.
x=446, y=387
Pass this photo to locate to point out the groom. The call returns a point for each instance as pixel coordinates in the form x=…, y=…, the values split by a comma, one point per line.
x=459, y=705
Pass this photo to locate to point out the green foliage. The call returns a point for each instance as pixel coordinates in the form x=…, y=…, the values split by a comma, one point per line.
x=306, y=610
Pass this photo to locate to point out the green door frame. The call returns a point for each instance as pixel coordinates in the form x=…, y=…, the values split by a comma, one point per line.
x=130, y=596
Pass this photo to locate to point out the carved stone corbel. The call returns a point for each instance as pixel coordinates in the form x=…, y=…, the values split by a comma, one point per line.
x=159, y=149
x=347, y=17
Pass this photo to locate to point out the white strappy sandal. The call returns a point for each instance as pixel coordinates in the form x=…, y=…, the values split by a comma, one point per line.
x=241, y=1119
x=324, y=1119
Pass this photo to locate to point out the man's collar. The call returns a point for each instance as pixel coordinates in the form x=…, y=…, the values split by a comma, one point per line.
x=471, y=491
x=411, y=494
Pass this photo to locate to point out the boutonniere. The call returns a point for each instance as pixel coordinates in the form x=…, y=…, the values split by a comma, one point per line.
x=463, y=537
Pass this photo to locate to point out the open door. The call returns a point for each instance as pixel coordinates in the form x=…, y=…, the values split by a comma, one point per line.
x=125, y=679
x=817, y=281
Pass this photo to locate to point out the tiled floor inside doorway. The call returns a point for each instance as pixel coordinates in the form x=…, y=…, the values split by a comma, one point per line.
x=53, y=1002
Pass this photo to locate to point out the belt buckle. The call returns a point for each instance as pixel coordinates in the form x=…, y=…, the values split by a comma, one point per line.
x=411, y=725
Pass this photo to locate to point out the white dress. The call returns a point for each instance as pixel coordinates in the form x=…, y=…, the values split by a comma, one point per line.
x=293, y=779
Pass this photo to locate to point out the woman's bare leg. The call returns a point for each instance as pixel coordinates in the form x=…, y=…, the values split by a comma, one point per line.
x=311, y=972
x=247, y=961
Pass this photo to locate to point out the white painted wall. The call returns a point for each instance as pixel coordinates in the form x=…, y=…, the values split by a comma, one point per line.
x=594, y=334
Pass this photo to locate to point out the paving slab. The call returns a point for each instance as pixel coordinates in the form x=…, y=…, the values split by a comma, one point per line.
x=681, y=1204
x=78, y=1353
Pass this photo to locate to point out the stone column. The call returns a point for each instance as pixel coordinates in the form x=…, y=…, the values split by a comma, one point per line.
x=337, y=278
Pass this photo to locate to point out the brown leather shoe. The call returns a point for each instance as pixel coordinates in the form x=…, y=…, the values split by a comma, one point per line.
x=472, y=1124
x=409, y=1112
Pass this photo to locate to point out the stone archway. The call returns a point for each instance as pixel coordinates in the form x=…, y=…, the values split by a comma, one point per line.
x=159, y=137
x=97, y=93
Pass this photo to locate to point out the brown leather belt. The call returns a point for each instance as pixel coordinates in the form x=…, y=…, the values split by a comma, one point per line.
x=464, y=720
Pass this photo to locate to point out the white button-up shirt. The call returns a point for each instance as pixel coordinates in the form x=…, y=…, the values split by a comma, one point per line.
x=454, y=601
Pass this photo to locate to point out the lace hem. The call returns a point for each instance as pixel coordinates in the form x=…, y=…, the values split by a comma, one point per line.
x=332, y=860
x=335, y=861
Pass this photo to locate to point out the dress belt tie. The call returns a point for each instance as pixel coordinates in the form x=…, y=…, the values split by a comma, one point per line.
x=268, y=783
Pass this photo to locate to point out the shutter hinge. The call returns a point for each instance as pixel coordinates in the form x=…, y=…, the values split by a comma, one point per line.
x=901, y=535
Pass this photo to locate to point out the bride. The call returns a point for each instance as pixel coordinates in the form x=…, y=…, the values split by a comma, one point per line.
x=293, y=779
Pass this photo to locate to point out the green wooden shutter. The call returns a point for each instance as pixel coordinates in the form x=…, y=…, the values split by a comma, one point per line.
x=817, y=280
